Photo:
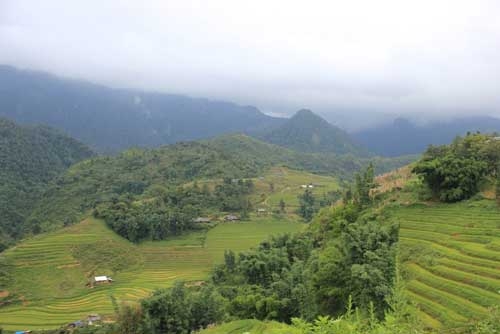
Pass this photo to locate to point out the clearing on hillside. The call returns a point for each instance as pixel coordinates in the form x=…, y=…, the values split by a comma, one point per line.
x=51, y=270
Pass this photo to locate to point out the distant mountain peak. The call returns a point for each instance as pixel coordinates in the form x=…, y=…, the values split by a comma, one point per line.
x=306, y=131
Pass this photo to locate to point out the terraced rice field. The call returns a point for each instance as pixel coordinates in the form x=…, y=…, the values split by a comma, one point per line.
x=49, y=278
x=451, y=255
x=283, y=183
x=252, y=326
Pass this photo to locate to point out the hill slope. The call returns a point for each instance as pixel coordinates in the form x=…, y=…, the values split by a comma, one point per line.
x=112, y=120
x=449, y=253
x=308, y=132
x=135, y=171
x=30, y=157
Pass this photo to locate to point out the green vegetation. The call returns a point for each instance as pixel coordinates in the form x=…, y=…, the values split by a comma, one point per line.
x=454, y=172
x=30, y=158
x=173, y=211
x=138, y=175
x=46, y=276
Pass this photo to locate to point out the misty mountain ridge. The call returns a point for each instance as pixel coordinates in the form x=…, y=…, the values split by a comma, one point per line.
x=403, y=136
x=307, y=132
x=111, y=120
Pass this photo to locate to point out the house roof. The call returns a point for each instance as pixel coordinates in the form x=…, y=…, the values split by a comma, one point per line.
x=101, y=278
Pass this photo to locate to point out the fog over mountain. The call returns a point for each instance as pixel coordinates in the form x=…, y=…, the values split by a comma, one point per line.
x=352, y=62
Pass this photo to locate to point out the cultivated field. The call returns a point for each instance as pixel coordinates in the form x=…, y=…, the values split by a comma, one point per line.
x=252, y=326
x=451, y=256
x=48, y=274
x=287, y=184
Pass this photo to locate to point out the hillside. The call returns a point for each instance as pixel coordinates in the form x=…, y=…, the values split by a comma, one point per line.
x=111, y=120
x=448, y=252
x=30, y=157
x=405, y=137
x=138, y=172
x=308, y=132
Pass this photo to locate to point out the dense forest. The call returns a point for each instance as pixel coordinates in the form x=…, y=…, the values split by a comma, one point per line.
x=30, y=158
x=170, y=212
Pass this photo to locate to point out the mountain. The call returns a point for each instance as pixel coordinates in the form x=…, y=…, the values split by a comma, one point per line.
x=110, y=120
x=405, y=137
x=30, y=157
x=308, y=132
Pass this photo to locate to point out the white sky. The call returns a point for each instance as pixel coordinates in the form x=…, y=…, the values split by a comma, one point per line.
x=396, y=56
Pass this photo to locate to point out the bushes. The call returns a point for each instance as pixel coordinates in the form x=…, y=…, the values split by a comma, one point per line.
x=453, y=173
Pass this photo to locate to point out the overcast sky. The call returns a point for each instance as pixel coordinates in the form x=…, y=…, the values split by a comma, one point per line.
x=382, y=56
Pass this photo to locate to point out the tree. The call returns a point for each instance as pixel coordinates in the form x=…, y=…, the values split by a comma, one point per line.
x=129, y=320
x=282, y=206
x=306, y=205
x=454, y=172
x=364, y=182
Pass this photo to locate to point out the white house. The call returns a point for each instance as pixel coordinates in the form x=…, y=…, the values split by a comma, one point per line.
x=102, y=279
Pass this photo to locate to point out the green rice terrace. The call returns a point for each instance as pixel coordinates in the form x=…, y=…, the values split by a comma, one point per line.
x=48, y=275
x=282, y=183
x=451, y=257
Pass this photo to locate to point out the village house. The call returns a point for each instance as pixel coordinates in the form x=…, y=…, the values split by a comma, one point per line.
x=92, y=318
x=261, y=211
x=202, y=220
x=102, y=279
x=230, y=218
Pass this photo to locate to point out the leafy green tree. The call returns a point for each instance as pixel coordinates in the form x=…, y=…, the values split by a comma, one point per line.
x=129, y=320
x=364, y=183
x=306, y=205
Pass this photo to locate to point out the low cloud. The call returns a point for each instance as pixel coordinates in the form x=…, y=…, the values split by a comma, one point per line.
x=375, y=56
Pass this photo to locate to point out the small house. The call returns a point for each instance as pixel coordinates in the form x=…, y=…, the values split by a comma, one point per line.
x=92, y=318
x=230, y=218
x=203, y=220
x=76, y=324
x=261, y=211
x=102, y=279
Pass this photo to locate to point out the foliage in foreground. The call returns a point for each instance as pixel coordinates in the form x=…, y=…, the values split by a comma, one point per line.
x=454, y=172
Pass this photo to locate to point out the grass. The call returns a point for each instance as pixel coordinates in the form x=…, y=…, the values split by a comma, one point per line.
x=49, y=272
x=450, y=259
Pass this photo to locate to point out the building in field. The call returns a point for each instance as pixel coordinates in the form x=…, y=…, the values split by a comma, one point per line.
x=261, y=211
x=231, y=218
x=102, y=280
x=202, y=220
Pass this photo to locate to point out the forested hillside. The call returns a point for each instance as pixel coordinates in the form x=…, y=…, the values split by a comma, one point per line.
x=30, y=157
x=308, y=132
x=110, y=120
x=139, y=173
